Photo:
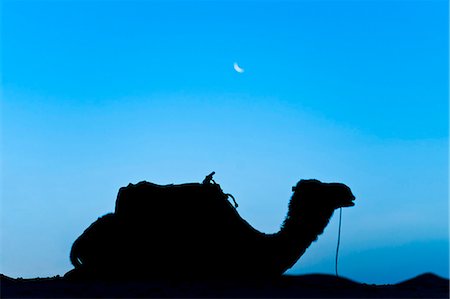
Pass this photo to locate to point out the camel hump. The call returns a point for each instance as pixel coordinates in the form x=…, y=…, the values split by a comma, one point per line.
x=137, y=200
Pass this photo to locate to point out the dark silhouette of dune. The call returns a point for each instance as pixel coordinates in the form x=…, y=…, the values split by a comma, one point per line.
x=192, y=231
x=425, y=280
x=286, y=286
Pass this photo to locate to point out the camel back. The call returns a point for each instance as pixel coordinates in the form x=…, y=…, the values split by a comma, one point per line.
x=146, y=199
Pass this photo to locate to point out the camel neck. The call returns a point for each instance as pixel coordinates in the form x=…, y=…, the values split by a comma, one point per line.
x=297, y=235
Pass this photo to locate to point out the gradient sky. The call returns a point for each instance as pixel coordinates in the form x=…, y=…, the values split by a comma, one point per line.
x=96, y=95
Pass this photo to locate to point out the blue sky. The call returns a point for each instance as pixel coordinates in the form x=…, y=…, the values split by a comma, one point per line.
x=99, y=94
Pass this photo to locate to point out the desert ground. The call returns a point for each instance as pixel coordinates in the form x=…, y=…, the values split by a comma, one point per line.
x=288, y=286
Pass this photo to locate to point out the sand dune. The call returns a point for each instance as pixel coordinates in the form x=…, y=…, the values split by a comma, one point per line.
x=303, y=286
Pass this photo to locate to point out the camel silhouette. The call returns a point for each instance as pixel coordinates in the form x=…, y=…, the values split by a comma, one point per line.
x=192, y=231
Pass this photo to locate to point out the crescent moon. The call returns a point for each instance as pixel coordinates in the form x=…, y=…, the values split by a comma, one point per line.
x=237, y=68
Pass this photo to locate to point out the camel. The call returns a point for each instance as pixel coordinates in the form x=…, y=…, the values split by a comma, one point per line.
x=192, y=231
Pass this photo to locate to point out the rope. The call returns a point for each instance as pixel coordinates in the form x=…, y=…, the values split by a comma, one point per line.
x=209, y=178
x=234, y=200
x=339, y=241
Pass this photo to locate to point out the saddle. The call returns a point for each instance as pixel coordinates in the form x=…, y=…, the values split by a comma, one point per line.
x=136, y=200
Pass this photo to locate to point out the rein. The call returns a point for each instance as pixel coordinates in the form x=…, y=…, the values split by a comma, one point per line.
x=338, y=241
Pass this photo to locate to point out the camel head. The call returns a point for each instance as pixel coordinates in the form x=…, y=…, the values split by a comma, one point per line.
x=316, y=195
